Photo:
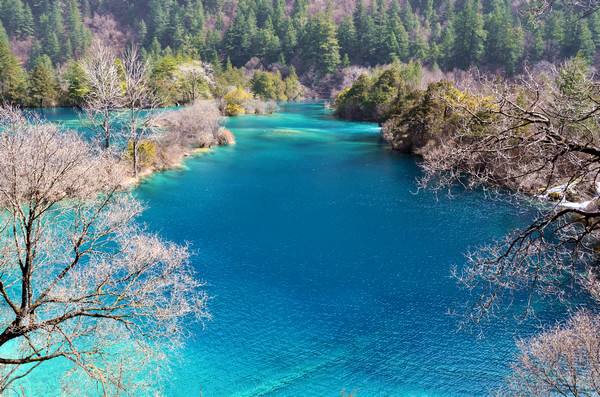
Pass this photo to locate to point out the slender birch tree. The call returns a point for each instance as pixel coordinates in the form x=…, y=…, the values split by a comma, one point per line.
x=106, y=95
x=139, y=98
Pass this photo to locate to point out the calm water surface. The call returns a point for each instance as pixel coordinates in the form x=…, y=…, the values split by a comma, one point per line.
x=327, y=272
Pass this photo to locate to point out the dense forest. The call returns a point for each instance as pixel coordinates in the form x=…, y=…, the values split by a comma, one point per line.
x=40, y=38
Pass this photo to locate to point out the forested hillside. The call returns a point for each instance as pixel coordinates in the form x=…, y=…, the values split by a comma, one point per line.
x=316, y=37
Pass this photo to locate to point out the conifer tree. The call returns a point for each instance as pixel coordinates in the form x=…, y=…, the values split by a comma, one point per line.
x=43, y=87
x=12, y=75
x=347, y=37
x=469, y=43
x=555, y=35
x=77, y=87
x=141, y=32
x=408, y=17
x=505, y=40
x=586, y=45
x=78, y=33
x=321, y=47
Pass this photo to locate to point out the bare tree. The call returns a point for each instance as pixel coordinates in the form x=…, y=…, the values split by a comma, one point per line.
x=194, y=126
x=80, y=281
x=584, y=8
x=540, y=136
x=564, y=361
x=139, y=98
x=106, y=91
x=196, y=78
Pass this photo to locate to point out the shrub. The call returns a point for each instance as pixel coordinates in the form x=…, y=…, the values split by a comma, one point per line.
x=146, y=150
x=270, y=86
x=235, y=100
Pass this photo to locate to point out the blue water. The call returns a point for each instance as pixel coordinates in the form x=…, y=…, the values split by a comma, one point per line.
x=327, y=272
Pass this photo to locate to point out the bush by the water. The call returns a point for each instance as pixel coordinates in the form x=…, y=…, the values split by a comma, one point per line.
x=411, y=117
x=184, y=130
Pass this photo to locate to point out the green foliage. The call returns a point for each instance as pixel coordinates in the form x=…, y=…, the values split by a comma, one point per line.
x=376, y=97
x=229, y=79
x=505, y=39
x=17, y=18
x=469, y=36
x=43, y=86
x=451, y=33
x=146, y=152
x=293, y=89
x=77, y=86
x=235, y=100
x=178, y=80
x=320, y=44
x=12, y=76
x=267, y=86
x=410, y=116
x=573, y=79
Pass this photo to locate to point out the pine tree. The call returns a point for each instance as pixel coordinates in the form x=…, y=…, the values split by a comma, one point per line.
x=469, y=43
x=289, y=42
x=347, y=37
x=77, y=31
x=266, y=44
x=345, y=61
x=155, y=48
x=141, y=32
x=594, y=22
x=539, y=45
x=505, y=42
x=515, y=48
x=420, y=48
x=447, y=45
x=27, y=23
x=158, y=18
x=43, y=87
x=321, y=47
x=408, y=17
x=329, y=47
x=361, y=24
x=77, y=87
x=586, y=45
x=402, y=38
x=56, y=23
x=12, y=75
x=193, y=17
x=429, y=12
x=238, y=39
x=13, y=14
x=555, y=35
x=278, y=16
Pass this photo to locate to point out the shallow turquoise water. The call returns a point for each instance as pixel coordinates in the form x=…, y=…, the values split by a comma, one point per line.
x=327, y=272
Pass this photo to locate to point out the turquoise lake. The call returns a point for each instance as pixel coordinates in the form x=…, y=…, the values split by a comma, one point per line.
x=328, y=272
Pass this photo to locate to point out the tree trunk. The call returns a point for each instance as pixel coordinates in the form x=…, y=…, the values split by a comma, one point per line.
x=106, y=127
x=134, y=147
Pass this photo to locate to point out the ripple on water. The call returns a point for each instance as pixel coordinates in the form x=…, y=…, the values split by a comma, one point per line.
x=327, y=272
